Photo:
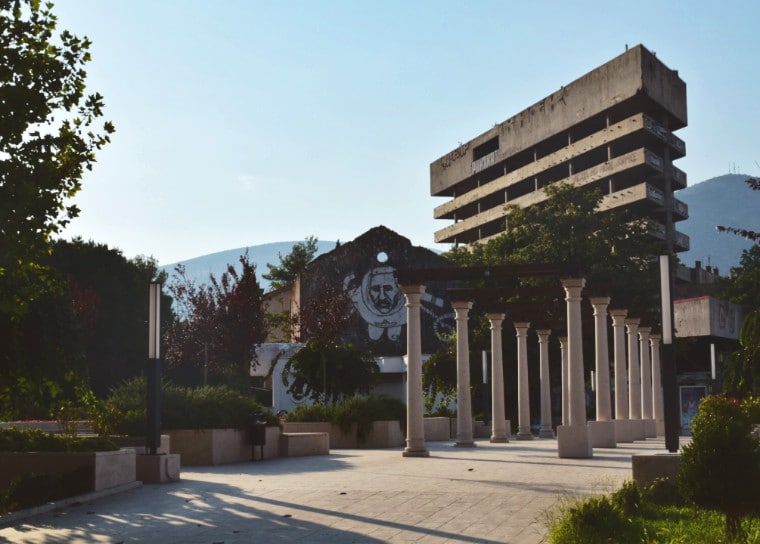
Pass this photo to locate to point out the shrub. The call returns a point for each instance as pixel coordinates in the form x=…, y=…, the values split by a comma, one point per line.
x=720, y=468
x=628, y=498
x=32, y=489
x=751, y=405
x=663, y=492
x=360, y=410
x=31, y=440
x=211, y=406
x=594, y=520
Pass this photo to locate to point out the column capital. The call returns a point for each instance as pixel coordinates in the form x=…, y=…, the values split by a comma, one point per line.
x=644, y=332
x=599, y=301
x=654, y=338
x=543, y=332
x=495, y=316
x=618, y=313
x=632, y=323
x=521, y=326
x=412, y=289
x=461, y=304
x=573, y=283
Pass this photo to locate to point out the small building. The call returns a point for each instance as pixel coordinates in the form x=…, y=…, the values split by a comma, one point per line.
x=364, y=268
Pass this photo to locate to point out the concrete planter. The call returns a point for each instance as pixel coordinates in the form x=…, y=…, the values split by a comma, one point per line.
x=211, y=446
x=384, y=434
x=437, y=429
x=96, y=470
x=198, y=447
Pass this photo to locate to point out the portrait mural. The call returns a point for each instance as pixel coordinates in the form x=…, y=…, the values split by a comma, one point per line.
x=365, y=268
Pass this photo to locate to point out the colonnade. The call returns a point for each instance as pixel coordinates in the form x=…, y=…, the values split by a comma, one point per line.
x=637, y=390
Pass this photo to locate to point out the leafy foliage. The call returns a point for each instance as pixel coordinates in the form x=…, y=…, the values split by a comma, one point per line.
x=223, y=320
x=720, y=468
x=211, y=406
x=14, y=439
x=48, y=139
x=613, y=248
x=292, y=264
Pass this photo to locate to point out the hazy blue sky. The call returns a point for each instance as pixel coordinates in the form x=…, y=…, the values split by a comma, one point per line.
x=246, y=122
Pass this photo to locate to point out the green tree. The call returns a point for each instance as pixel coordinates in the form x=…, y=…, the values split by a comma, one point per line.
x=325, y=369
x=292, y=264
x=720, y=467
x=48, y=138
x=219, y=324
x=612, y=248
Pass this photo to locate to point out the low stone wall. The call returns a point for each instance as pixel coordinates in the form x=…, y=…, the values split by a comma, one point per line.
x=437, y=429
x=97, y=470
x=302, y=444
x=384, y=434
x=199, y=447
x=647, y=467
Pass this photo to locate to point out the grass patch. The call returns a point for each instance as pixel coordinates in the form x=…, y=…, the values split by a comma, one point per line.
x=656, y=514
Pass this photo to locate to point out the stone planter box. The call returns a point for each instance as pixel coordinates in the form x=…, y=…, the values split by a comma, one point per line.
x=384, y=434
x=198, y=447
x=95, y=471
x=210, y=446
x=437, y=429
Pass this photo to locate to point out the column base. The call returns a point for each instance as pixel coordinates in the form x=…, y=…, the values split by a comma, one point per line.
x=603, y=434
x=637, y=429
x=525, y=436
x=502, y=435
x=546, y=433
x=623, y=430
x=415, y=453
x=659, y=427
x=464, y=444
x=574, y=441
x=650, y=428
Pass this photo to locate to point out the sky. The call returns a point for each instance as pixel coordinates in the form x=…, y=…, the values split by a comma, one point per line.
x=243, y=122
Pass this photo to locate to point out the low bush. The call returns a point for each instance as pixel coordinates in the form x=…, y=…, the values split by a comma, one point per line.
x=35, y=440
x=595, y=520
x=207, y=407
x=359, y=410
x=30, y=489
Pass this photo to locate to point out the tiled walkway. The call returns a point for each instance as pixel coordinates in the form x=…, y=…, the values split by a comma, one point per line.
x=493, y=493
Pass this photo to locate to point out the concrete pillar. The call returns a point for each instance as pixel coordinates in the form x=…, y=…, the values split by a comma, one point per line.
x=464, y=402
x=523, y=389
x=657, y=407
x=415, y=422
x=499, y=424
x=574, y=440
x=565, y=389
x=622, y=424
x=546, y=430
x=646, y=383
x=603, y=429
x=634, y=379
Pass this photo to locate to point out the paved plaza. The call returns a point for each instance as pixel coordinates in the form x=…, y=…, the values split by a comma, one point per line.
x=489, y=494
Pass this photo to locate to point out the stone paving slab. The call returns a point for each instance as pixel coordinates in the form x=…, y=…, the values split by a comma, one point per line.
x=490, y=494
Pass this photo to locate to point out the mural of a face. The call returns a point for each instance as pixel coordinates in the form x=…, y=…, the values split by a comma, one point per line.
x=383, y=290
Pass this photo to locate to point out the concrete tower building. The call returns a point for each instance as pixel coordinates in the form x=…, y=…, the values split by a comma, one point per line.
x=611, y=129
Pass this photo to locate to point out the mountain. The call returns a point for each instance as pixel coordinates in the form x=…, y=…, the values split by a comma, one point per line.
x=198, y=269
x=725, y=200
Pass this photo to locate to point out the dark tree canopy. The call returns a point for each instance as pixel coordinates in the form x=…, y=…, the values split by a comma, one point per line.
x=222, y=321
x=291, y=264
x=48, y=138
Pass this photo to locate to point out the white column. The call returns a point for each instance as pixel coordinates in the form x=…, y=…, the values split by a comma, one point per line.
x=574, y=440
x=646, y=383
x=622, y=426
x=546, y=430
x=634, y=379
x=657, y=409
x=464, y=403
x=499, y=431
x=415, y=422
x=603, y=393
x=603, y=429
x=565, y=387
x=523, y=389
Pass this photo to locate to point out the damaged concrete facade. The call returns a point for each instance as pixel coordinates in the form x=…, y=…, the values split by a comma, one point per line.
x=611, y=129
